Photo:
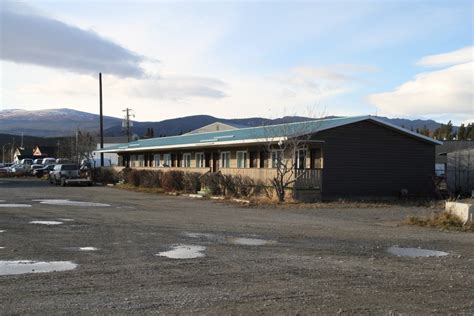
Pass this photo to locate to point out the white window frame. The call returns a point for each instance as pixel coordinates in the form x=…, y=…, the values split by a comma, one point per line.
x=200, y=162
x=225, y=163
x=167, y=160
x=186, y=160
x=275, y=154
x=244, y=153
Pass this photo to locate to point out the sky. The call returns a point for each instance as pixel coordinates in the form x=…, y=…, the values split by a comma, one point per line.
x=236, y=59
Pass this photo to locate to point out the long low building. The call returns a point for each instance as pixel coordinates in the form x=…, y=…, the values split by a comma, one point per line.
x=332, y=158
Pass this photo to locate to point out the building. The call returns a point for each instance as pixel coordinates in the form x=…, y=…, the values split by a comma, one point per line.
x=460, y=171
x=339, y=157
x=449, y=146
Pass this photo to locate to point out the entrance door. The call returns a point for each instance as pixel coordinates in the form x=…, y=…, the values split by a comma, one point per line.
x=215, y=162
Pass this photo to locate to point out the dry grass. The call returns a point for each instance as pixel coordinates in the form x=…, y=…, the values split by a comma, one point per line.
x=131, y=187
x=442, y=220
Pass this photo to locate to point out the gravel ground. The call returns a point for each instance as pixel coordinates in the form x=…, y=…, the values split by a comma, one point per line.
x=315, y=261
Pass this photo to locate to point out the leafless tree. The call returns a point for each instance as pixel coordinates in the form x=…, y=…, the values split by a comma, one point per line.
x=284, y=143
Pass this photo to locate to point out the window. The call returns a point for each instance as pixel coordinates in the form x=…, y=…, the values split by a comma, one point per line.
x=141, y=160
x=200, y=162
x=225, y=159
x=277, y=156
x=187, y=160
x=241, y=159
x=133, y=160
x=156, y=159
x=301, y=159
x=166, y=160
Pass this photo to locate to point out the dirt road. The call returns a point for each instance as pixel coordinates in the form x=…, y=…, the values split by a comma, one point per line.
x=249, y=261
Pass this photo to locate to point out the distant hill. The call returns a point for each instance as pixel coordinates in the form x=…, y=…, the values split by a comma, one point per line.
x=51, y=123
x=63, y=122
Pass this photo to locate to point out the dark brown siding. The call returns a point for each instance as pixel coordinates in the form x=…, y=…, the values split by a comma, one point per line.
x=366, y=159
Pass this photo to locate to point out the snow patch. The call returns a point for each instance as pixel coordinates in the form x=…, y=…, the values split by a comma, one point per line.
x=15, y=205
x=415, y=252
x=184, y=252
x=28, y=266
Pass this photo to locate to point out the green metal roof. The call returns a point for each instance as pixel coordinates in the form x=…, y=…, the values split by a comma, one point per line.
x=250, y=135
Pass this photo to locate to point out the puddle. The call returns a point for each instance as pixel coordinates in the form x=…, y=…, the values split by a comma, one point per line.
x=184, y=252
x=200, y=235
x=15, y=205
x=71, y=203
x=66, y=219
x=88, y=249
x=46, y=222
x=27, y=266
x=2, y=231
x=2, y=247
x=248, y=241
x=415, y=252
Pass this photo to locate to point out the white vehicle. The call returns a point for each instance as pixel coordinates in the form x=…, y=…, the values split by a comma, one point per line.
x=48, y=161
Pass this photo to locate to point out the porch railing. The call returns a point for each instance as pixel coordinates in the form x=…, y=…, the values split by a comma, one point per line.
x=308, y=179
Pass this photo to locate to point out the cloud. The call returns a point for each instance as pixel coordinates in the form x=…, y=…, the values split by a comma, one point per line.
x=448, y=90
x=459, y=56
x=31, y=38
x=179, y=87
x=324, y=81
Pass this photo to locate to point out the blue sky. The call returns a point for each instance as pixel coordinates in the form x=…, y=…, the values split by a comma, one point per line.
x=238, y=59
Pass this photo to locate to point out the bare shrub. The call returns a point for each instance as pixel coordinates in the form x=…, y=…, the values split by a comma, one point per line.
x=105, y=175
x=191, y=182
x=150, y=178
x=173, y=181
x=212, y=182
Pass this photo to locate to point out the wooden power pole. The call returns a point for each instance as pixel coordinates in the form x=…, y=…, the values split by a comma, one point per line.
x=101, y=121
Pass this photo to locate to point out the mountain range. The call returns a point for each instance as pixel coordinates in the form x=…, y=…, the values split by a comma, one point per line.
x=64, y=122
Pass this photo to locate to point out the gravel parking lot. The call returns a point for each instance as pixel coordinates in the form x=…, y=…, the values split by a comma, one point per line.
x=122, y=251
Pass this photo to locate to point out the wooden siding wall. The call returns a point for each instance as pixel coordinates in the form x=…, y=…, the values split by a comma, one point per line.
x=368, y=160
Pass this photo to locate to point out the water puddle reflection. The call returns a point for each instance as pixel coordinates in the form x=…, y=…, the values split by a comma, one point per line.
x=71, y=203
x=46, y=222
x=415, y=252
x=28, y=266
x=184, y=252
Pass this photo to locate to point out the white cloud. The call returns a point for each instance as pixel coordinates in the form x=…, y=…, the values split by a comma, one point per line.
x=446, y=91
x=459, y=56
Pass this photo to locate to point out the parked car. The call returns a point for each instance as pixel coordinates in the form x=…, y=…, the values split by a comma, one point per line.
x=18, y=170
x=34, y=167
x=40, y=172
x=62, y=172
x=38, y=161
x=48, y=161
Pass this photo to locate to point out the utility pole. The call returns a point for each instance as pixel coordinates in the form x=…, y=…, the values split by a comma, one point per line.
x=101, y=121
x=127, y=124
